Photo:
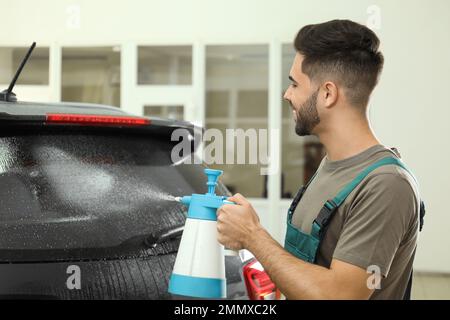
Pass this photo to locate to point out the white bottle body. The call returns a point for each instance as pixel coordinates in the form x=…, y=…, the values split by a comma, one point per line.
x=200, y=254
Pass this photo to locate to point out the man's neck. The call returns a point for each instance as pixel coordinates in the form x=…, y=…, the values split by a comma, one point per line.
x=343, y=142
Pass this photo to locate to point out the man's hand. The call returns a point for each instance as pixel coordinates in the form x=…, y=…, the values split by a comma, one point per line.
x=236, y=223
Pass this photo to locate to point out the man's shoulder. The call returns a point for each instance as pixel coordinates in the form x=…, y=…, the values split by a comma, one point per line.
x=391, y=176
x=392, y=185
x=394, y=175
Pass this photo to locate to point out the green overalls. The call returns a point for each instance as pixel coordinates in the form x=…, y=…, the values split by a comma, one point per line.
x=305, y=246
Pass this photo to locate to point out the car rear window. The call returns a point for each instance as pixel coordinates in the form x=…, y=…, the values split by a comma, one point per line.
x=71, y=190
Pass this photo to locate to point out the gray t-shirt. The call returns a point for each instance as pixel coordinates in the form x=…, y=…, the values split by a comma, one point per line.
x=378, y=223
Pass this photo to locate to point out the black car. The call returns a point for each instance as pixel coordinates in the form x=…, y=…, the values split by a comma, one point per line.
x=86, y=203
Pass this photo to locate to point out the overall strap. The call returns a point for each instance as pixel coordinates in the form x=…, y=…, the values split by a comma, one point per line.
x=299, y=195
x=331, y=206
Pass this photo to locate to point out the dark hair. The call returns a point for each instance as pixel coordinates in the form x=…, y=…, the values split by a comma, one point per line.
x=345, y=51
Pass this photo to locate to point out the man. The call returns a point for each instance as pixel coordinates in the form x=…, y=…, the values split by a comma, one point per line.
x=375, y=229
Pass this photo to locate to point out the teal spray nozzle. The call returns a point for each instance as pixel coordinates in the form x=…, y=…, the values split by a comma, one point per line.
x=204, y=206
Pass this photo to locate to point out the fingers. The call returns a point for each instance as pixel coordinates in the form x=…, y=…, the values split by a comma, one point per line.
x=238, y=199
x=228, y=243
x=220, y=212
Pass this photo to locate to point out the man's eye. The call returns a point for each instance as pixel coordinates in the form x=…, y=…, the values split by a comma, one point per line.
x=293, y=85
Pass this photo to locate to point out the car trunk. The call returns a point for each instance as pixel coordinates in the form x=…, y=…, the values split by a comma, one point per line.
x=77, y=195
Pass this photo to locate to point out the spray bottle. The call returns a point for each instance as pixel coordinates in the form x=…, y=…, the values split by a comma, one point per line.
x=199, y=269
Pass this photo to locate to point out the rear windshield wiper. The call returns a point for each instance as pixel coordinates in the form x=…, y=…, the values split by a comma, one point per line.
x=155, y=239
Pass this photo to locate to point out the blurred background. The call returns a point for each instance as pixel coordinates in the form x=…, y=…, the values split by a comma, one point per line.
x=225, y=64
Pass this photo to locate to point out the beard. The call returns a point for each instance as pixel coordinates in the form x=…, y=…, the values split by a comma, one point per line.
x=307, y=116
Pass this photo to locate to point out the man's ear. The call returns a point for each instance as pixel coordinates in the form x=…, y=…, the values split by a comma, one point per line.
x=330, y=94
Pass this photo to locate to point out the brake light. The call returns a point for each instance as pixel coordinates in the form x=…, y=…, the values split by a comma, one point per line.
x=96, y=119
x=259, y=286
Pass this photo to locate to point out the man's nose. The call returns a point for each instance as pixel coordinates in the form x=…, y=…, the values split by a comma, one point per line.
x=286, y=95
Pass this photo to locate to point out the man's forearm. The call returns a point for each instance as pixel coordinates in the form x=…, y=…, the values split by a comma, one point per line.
x=295, y=278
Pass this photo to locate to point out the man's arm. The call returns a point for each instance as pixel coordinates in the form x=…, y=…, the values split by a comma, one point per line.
x=239, y=228
x=302, y=280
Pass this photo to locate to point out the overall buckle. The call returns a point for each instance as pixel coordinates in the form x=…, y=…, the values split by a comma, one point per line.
x=325, y=214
